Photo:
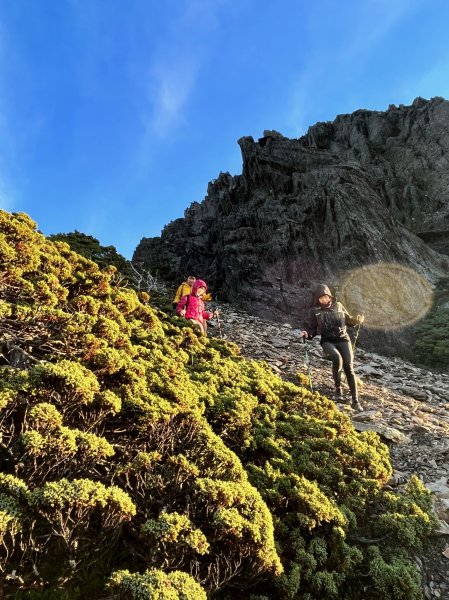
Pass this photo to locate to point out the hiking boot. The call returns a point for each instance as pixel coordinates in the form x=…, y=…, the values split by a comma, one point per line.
x=357, y=406
x=338, y=396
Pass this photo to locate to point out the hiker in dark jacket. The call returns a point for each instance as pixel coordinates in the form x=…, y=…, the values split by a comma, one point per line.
x=329, y=318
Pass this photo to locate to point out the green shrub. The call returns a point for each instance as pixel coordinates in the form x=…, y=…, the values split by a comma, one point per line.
x=137, y=444
x=156, y=585
x=431, y=345
x=397, y=579
x=177, y=529
x=407, y=517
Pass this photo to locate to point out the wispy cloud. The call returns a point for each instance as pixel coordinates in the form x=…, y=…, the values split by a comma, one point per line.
x=171, y=85
x=332, y=60
x=176, y=63
x=374, y=20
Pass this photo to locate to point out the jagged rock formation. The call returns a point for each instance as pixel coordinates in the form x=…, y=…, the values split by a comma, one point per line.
x=361, y=190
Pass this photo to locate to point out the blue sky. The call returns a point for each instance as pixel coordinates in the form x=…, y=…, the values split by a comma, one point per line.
x=115, y=114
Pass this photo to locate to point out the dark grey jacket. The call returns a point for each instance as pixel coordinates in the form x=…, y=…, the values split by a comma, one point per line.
x=328, y=321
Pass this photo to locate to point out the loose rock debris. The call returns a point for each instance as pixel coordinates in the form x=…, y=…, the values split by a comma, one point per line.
x=406, y=405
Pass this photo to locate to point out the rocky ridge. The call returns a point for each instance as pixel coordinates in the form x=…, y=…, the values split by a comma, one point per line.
x=408, y=406
x=368, y=188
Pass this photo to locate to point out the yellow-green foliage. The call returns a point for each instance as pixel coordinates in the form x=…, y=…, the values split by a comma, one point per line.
x=80, y=496
x=130, y=442
x=45, y=416
x=156, y=585
x=74, y=383
x=10, y=516
x=408, y=517
x=13, y=499
x=175, y=528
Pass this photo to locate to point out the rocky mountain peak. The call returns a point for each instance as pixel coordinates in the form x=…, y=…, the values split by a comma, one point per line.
x=369, y=188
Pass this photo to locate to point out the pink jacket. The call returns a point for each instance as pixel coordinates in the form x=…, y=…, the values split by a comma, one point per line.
x=194, y=305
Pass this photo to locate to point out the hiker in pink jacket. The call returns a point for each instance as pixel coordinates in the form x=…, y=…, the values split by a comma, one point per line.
x=191, y=306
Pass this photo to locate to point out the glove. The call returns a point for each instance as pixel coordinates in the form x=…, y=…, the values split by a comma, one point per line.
x=360, y=319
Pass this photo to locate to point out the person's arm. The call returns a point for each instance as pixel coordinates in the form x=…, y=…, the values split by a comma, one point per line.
x=357, y=320
x=178, y=294
x=350, y=320
x=206, y=314
x=310, y=328
x=181, y=307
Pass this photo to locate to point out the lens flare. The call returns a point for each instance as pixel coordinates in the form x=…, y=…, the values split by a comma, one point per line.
x=390, y=295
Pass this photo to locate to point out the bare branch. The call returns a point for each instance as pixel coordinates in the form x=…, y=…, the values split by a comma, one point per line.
x=144, y=280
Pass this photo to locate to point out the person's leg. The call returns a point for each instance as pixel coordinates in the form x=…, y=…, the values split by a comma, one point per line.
x=198, y=325
x=331, y=352
x=345, y=349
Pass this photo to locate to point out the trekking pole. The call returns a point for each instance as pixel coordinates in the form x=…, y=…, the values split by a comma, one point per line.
x=309, y=372
x=220, y=331
x=354, y=343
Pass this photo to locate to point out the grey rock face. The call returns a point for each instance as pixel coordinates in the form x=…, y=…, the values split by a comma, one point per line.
x=361, y=190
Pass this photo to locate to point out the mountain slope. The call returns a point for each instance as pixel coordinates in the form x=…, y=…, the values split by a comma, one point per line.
x=134, y=452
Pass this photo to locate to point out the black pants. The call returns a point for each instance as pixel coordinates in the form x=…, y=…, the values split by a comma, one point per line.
x=342, y=357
